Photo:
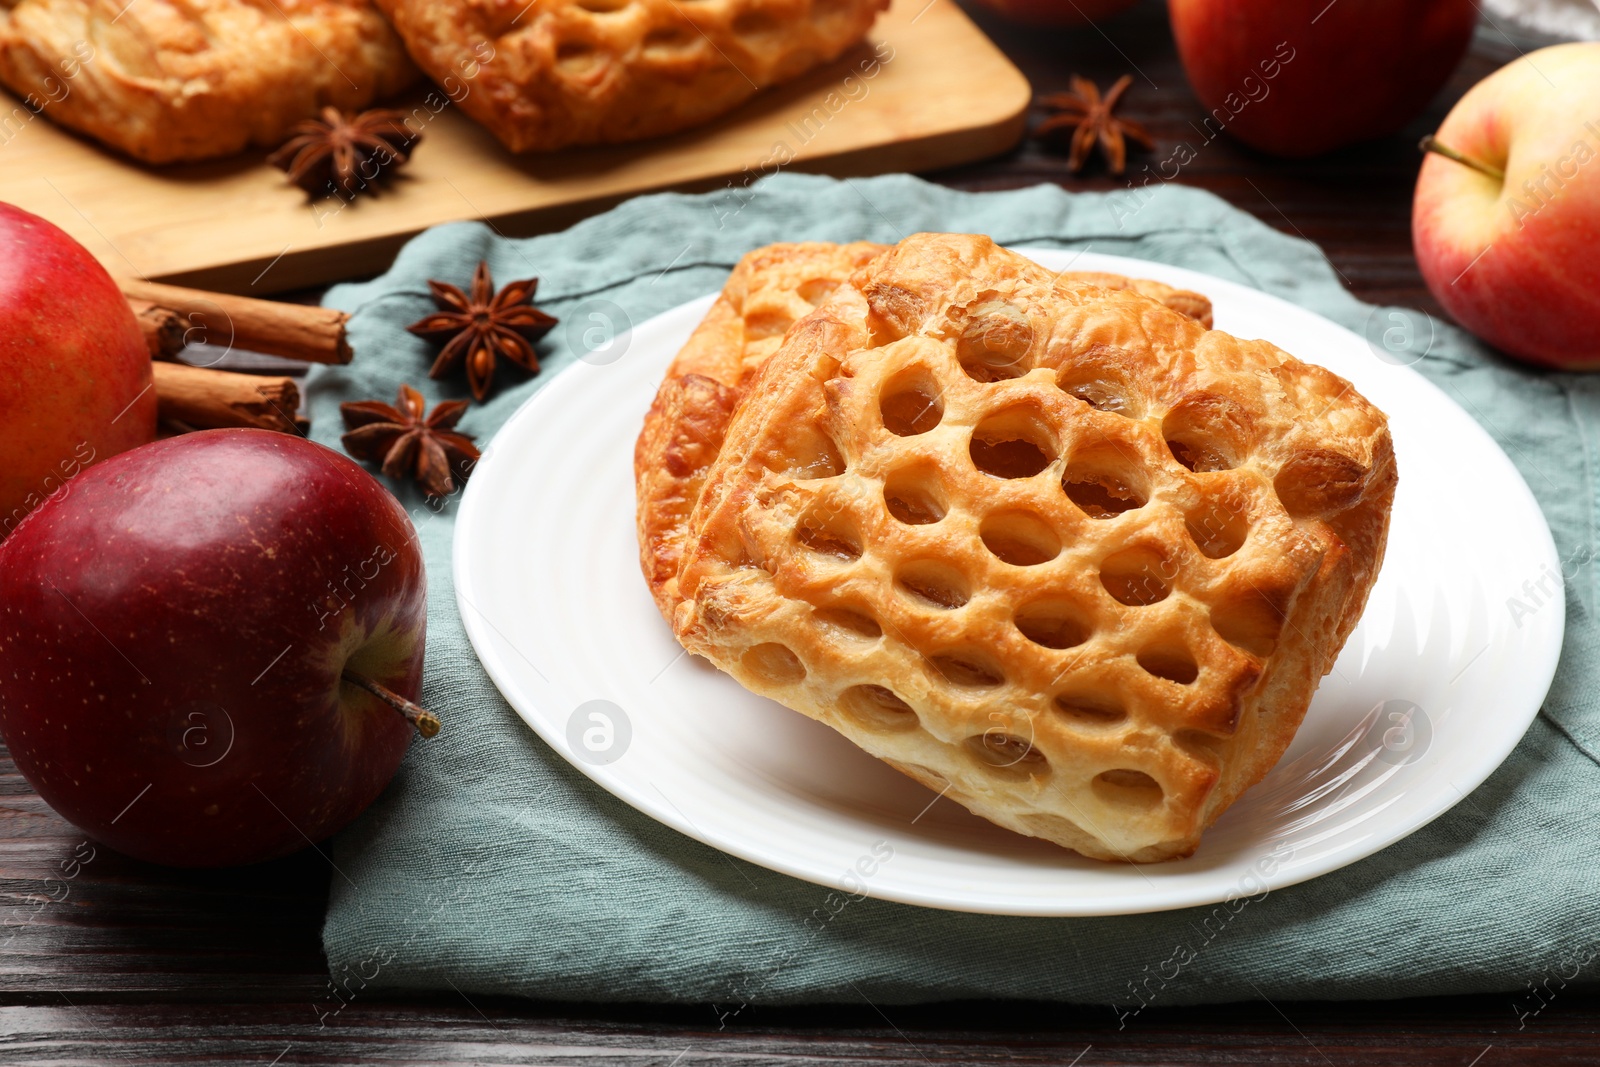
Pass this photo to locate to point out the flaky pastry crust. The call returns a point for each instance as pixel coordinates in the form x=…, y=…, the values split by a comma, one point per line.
x=1048, y=547
x=768, y=291
x=180, y=80
x=556, y=73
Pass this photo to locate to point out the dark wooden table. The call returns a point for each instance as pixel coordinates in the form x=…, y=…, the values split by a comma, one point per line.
x=113, y=961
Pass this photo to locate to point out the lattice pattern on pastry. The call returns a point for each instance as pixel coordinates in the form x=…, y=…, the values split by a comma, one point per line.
x=769, y=290
x=1041, y=546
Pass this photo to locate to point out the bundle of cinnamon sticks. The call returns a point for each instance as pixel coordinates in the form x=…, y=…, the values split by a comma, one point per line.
x=203, y=398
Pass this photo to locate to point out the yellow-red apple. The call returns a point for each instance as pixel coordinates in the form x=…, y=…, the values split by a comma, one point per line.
x=1507, y=240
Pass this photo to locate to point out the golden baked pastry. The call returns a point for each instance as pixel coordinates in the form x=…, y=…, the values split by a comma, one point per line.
x=768, y=291
x=554, y=73
x=1088, y=598
x=1190, y=304
x=178, y=80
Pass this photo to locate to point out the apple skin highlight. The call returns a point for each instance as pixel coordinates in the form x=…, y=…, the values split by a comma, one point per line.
x=174, y=631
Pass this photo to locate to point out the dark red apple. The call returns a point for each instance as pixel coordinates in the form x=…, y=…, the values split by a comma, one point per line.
x=74, y=369
x=177, y=639
x=1302, y=77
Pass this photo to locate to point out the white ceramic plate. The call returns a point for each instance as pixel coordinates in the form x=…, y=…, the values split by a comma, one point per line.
x=1432, y=691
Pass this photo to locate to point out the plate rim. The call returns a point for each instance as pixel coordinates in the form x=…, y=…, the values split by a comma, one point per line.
x=570, y=378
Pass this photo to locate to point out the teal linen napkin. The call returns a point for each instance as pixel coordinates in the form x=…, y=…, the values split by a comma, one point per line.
x=490, y=865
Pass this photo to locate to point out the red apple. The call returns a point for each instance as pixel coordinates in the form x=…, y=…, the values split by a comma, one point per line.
x=175, y=637
x=1302, y=77
x=74, y=369
x=1513, y=257
x=1060, y=13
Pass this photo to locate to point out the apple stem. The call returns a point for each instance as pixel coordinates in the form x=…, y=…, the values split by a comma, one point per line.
x=1430, y=143
x=426, y=722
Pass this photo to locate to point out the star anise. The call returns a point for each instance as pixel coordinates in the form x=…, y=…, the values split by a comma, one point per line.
x=345, y=153
x=409, y=445
x=1091, y=120
x=477, y=328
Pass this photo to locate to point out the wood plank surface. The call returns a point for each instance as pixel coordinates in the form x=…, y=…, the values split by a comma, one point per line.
x=451, y=1028
x=926, y=90
x=107, y=960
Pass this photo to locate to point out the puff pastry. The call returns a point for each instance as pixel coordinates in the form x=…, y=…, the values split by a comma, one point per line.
x=1050, y=548
x=768, y=291
x=180, y=80
x=555, y=73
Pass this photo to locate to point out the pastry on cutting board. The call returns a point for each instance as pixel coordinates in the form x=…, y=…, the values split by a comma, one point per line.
x=555, y=73
x=169, y=81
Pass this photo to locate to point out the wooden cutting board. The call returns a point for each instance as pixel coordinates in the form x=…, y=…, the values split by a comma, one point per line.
x=940, y=93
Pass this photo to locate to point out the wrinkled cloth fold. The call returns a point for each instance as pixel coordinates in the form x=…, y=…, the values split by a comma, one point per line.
x=492, y=866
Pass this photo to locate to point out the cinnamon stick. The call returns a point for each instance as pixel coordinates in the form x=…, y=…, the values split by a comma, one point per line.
x=199, y=398
x=293, y=331
x=162, y=328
